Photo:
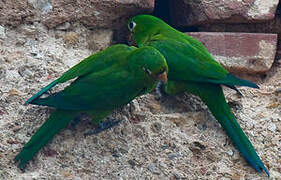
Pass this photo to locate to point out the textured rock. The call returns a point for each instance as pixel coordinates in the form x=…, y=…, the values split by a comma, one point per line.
x=100, y=39
x=241, y=52
x=273, y=26
x=171, y=138
x=43, y=5
x=186, y=13
x=101, y=13
x=2, y=32
x=15, y=12
x=94, y=13
x=143, y=149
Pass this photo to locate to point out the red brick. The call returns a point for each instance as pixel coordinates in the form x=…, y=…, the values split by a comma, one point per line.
x=240, y=52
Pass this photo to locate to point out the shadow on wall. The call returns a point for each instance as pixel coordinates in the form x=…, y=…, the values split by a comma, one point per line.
x=162, y=10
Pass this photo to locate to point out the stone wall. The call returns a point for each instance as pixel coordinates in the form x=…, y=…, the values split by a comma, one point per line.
x=171, y=138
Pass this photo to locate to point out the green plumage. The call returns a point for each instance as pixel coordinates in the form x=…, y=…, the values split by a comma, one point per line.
x=192, y=69
x=104, y=81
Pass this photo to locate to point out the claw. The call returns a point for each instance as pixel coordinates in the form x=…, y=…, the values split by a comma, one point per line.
x=103, y=126
x=74, y=122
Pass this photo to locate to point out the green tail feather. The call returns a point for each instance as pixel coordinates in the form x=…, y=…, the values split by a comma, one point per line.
x=45, y=89
x=235, y=81
x=213, y=96
x=57, y=121
x=216, y=102
x=231, y=81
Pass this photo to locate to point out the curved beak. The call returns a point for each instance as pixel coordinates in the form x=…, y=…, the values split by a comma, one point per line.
x=131, y=40
x=163, y=77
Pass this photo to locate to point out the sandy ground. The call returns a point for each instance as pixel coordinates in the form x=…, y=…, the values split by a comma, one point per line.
x=171, y=138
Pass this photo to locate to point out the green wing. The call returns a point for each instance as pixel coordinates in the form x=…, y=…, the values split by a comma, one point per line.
x=96, y=62
x=190, y=63
x=107, y=89
x=194, y=42
x=111, y=86
x=92, y=63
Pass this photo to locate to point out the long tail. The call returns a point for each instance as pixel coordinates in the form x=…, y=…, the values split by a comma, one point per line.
x=57, y=121
x=213, y=96
x=42, y=91
x=231, y=81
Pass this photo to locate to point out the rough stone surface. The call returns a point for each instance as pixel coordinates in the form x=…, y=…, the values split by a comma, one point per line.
x=273, y=26
x=100, y=39
x=2, y=32
x=240, y=52
x=93, y=13
x=175, y=137
x=43, y=5
x=187, y=13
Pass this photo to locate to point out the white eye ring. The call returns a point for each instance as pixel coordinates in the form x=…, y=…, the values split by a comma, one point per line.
x=131, y=25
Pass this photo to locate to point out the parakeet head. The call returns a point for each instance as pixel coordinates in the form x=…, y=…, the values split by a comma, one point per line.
x=150, y=62
x=143, y=27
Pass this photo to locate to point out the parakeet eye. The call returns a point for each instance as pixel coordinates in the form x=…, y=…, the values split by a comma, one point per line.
x=162, y=71
x=131, y=25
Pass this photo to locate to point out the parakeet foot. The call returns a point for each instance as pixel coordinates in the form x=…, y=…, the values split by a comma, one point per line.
x=103, y=126
x=238, y=92
x=160, y=91
x=75, y=121
x=21, y=166
x=235, y=89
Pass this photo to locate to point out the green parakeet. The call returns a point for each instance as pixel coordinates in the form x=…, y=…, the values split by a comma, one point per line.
x=192, y=69
x=104, y=81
